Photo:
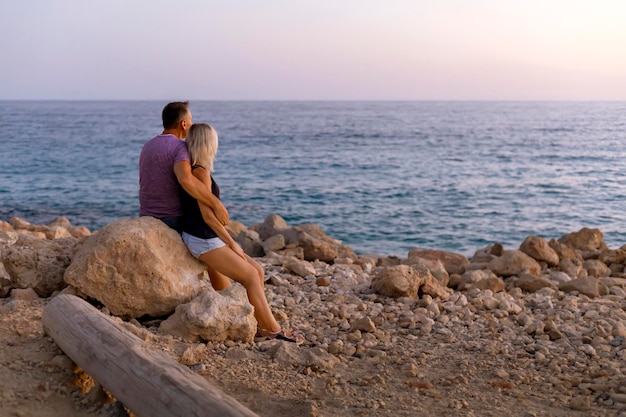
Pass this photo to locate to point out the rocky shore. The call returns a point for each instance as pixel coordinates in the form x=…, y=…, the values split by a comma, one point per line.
x=538, y=330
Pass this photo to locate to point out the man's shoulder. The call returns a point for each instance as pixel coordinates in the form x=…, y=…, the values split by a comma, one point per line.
x=165, y=143
x=165, y=139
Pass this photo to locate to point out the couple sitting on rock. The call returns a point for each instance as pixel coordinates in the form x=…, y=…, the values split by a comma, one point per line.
x=175, y=186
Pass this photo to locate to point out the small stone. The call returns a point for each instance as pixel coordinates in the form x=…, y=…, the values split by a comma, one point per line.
x=501, y=373
x=619, y=329
x=335, y=347
x=491, y=303
x=581, y=403
x=588, y=350
x=555, y=334
x=61, y=362
x=364, y=324
x=323, y=281
x=299, y=267
x=27, y=294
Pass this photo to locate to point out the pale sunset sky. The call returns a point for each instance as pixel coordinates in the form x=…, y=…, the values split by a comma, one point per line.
x=313, y=50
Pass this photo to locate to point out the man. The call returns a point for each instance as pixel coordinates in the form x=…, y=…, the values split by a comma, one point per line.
x=164, y=163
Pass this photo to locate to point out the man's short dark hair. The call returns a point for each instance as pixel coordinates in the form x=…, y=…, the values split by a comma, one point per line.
x=173, y=113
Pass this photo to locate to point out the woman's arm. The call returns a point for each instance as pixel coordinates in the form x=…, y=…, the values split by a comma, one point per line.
x=209, y=216
x=198, y=190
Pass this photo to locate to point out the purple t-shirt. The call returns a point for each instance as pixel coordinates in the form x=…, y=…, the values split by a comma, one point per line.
x=158, y=186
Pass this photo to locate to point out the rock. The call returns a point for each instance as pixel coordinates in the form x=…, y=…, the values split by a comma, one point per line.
x=57, y=232
x=455, y=280
x=531, y=283
x=496, y=249
x=613, y=256
x=58, y=228
x=61, y=362
x=271, y=226
x=211, y=316
x=21, y=224
x=613, y=282
x=292, y=253
x=27, y=294
x=563, y=251
x=617, y=270
x=274, y=243
x=490, y=303
x=316, y=248
x=136, y=267
x=241, y=354
x=250, y=243
x=539, y=249
x=335, y=347
x=481, y=279
x=322, y=281
x=619, y=329
x=8, y=236
x=80, y=231
x=346, y=252
x=435, y=267
x=236, y=292
x=74, y=291
x=287, y=353
x=586, y=285
x=5, y=281
x=596, y=268
x=30, y=234
x=580, y=403
x=234, y=228
x=454, y=263
x=514, y=262
x=316, y=231
x=487, y=254
x=408, y=281
x=558, y=277
x=495, y=284
x=364, y=324
x=302, y=268
x=193, y=354
x=62, y=221
x=388, y=261
x=38, y=263
x=585, y=240
x=573, y=267
x=316, y=244
x=343, y=261
x=367, y=261
x=6, y=227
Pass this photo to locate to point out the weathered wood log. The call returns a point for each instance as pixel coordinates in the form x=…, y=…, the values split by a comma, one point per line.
x=147, y=382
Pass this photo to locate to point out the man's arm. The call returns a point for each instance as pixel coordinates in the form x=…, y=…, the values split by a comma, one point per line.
x=199, y=191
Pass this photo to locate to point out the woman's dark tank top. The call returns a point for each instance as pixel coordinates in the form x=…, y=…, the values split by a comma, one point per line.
x=193, y=223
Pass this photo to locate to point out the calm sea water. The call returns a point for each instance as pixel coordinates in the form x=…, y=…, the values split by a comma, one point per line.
x=380, y=176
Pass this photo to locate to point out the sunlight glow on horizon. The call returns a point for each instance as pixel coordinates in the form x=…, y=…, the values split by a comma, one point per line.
x=353, y=50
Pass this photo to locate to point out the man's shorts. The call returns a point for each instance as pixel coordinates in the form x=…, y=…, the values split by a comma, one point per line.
x=199, y=246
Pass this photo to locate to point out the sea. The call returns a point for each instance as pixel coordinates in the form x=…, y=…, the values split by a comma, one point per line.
x=381, y=176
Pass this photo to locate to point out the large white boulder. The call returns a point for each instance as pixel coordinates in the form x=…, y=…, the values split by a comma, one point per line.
x=135, y=267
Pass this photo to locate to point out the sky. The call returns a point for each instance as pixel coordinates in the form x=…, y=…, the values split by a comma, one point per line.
x=313, y=50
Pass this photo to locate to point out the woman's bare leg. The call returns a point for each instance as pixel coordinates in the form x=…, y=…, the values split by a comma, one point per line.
x=258, y=268
x=219, y=281
x=226, y=262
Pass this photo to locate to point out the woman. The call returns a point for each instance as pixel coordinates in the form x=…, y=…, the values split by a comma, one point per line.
x=209, y=241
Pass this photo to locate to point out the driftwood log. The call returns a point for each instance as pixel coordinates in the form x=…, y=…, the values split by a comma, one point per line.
x=147, y=382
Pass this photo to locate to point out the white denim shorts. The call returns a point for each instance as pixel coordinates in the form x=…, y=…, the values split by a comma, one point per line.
x=198, y=246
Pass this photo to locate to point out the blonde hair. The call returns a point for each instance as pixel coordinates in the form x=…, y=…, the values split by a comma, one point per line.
x=202, y=143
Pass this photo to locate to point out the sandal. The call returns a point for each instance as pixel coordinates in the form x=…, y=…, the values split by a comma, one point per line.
x=282, y=334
